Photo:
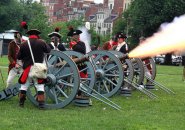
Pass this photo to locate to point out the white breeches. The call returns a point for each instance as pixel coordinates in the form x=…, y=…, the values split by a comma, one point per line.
x=12, y=74
x=39, y=87
x=147, y=72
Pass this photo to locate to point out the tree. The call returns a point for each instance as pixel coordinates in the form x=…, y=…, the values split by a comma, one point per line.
x=36, y=18
x=120, y=25
x=9, y=16
x=25, y=10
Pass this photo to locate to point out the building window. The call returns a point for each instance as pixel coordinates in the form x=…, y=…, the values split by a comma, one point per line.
x=104, y=32
x=110, y=6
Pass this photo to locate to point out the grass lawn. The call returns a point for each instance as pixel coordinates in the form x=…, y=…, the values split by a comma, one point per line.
x=138, y=112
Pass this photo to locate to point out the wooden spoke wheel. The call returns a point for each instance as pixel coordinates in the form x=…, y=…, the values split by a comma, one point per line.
x=62, y=81
x=87, y=68
x=127, y=66
x=138, y=70
x=108, y=72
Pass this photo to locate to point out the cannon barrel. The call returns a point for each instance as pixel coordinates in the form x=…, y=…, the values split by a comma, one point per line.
x=121, y=58
x=75, y=60
x=81, y=60
x=124, y=57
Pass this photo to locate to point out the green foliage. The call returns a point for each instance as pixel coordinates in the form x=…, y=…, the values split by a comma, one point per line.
x=34, y=15
x=10, y=16
x=75, y=23
x=94, y=38
x=4, y=61
x=120, y=26
x=25, y=10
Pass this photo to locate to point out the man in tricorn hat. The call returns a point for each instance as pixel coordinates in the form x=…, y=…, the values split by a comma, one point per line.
x=39, y=47
x=78, y=46
x=55, y=41
x=122, y=45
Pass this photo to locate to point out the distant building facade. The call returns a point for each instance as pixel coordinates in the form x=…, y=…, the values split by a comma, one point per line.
x=101, y=16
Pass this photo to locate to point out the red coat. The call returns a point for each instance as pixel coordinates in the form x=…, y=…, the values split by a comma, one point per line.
x=13, y=49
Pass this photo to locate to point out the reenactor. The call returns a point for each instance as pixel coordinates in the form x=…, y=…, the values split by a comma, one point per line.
x=14, y=67
x=56, y=41
x=78, y=46
x=148, y=68
x=123, y=47
x=39, y=47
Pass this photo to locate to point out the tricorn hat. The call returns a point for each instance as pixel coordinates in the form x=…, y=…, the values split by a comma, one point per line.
x=121, y=35
x=17, y=35
x=56, y=34
x=73, y=32
x=33, y=32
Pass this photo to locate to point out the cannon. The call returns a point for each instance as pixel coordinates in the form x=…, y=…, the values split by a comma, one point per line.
x=63, y=81
x=136, y=74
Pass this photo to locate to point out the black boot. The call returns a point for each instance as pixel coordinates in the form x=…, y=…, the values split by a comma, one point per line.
x=41, y=100
x=22, y=98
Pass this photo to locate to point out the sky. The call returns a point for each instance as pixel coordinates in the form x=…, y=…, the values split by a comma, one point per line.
x=98, y=1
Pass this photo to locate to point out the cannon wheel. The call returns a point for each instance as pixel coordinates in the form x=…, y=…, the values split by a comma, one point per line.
x=152, y=64
x=89, y=82
x=62, y=82
x=107, y=68
x=127, y=66
x=138, y=70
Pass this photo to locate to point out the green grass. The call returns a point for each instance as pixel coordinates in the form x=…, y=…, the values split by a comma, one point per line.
x=138, y=112
x=3, y=61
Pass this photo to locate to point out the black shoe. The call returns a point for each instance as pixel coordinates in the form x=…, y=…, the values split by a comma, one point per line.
x=22, y=98
x=149, y=87
x=41, y=105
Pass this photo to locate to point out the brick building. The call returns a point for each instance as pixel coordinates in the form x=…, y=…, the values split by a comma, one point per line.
x=101, y=16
